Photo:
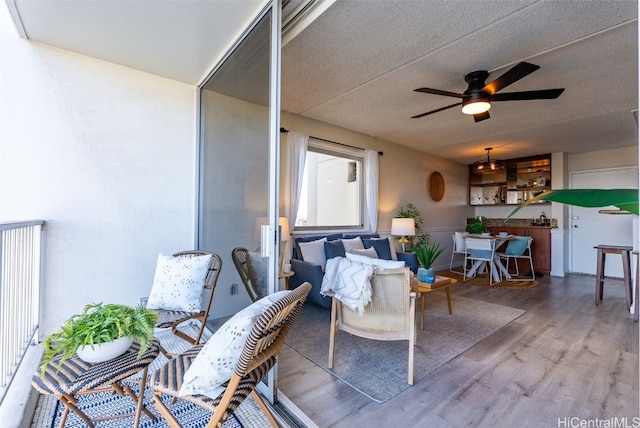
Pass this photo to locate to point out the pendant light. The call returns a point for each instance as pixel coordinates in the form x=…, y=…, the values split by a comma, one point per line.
x=489, y=166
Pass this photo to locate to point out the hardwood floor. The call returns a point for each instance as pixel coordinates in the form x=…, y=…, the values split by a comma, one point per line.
x=564, y=358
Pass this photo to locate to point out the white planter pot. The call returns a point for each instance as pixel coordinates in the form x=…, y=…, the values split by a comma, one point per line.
x=104, y=351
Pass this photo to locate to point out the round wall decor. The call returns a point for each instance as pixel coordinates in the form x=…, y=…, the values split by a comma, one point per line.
x=436, y=186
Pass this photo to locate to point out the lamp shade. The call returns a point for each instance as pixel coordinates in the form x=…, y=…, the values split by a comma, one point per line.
x=403, y=227
x=283, y=222
x=285, y=234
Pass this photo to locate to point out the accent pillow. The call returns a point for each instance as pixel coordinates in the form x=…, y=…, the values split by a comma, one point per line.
x=365, y=252
x=517, y=245
x=259, y=269
x=382, y=246
x=214, y=364
x=352, y=244
x=377, y=263
x=178, y=283
x=333, y=249
x=313, y=252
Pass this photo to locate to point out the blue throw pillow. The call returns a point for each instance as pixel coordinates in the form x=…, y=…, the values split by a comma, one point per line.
x=382, y=247
x=516, y=246
x=334, y=249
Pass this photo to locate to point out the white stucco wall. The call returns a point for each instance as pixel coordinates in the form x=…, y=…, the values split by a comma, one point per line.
x=106, y=156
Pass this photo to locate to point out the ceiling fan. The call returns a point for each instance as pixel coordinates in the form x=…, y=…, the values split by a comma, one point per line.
x=476, y=100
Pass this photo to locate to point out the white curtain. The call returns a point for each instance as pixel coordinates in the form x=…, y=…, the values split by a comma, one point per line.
x=371, y=171
x=296, y=150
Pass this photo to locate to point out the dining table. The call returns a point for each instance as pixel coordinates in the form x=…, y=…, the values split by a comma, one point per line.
x=479, y=264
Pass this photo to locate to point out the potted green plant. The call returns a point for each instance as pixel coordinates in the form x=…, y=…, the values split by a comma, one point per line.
x=101, y=326
x=427, y=253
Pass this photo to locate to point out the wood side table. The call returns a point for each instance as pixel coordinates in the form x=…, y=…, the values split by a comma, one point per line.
x=77, y=377
x=441, y=283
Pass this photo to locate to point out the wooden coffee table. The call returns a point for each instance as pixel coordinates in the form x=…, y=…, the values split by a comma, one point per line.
x=441, y=283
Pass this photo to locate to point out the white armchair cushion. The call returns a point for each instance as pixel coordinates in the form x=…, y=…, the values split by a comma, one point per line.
x=178, y=283
x=218, y=357
x=460, y=244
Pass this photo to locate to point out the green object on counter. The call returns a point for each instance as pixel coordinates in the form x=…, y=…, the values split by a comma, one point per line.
x=475, y=227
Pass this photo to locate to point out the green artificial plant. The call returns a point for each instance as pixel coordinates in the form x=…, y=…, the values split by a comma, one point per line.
x=97, y=324
x=409, y=210
x=624, y=199
x=476, y=227
x=427, y=252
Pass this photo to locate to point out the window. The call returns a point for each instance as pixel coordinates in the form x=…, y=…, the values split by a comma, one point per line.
x=332, y=188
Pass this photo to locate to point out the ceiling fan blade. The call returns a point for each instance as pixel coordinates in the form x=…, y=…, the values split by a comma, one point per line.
x=516, y=73
x=543, y=94
x=435, y=111
x=440, y=92
x=481, y=116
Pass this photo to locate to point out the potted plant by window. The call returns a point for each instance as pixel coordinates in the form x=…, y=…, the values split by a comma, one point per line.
x=100, y=333
x=427, y=253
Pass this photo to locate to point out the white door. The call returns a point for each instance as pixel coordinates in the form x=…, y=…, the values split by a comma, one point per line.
x=590, y=228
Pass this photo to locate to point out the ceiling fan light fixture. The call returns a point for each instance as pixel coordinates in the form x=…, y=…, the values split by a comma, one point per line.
x=489, y=166
x=476, y=104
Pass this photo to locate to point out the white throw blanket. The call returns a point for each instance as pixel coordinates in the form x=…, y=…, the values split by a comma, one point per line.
x=349, y=281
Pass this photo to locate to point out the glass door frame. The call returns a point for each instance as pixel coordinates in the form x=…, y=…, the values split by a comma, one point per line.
x=271, y=245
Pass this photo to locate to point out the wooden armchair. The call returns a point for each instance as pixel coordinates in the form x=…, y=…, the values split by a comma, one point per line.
x=257, y=358
x=173, y=318
x=242, y=261
x=389, y=316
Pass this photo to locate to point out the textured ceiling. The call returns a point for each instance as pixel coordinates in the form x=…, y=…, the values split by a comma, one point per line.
x=356, y=67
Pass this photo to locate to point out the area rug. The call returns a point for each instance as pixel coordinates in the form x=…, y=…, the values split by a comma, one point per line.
x=107, y=403
x=482, y=280
x=378, y=369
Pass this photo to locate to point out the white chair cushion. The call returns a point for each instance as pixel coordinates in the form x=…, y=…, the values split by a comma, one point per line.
x=214, y=365
x=313, y=252
x=178, y=283
x=460, y=245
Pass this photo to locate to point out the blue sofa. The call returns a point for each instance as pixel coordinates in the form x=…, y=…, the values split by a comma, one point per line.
x=312, y=273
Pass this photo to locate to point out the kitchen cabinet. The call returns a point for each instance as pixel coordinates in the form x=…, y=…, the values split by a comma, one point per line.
x=521, y=179
x=540, y=246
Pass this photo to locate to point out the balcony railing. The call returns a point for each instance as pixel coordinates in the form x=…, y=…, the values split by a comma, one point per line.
x=19, y=293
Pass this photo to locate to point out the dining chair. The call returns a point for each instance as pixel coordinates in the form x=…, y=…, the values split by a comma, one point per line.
x=518, y=248
x=481, y=251
x=257, y=356
x=242, y=259
x=458, y=248
x=172, y=318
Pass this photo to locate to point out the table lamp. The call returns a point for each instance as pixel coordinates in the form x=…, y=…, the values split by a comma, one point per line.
x=403, y=227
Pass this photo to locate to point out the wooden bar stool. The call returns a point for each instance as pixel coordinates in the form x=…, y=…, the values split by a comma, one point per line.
x=625, y=252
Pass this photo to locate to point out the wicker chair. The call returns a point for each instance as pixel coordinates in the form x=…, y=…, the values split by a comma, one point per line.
x=257, y=358
x=389, y=316
x=172, y=318
x=242, y=262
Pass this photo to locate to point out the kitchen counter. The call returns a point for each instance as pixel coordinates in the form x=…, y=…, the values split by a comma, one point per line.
x=516, y=222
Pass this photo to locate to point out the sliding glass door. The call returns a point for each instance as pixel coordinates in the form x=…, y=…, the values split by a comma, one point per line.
x=239, y=125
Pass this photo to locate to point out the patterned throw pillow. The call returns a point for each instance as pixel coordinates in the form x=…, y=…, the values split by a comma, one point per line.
x=178, y=283
x=218, y=357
